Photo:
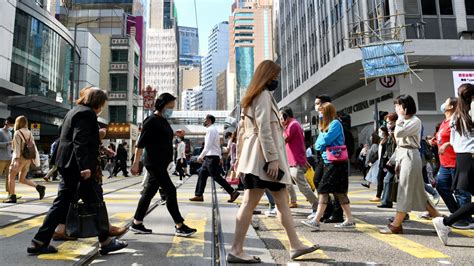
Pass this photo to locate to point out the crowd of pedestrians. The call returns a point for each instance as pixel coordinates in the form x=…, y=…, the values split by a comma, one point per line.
x=268, y=155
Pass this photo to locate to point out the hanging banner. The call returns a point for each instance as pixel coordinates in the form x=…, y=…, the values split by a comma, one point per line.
x=461, y=77
x=149, y=99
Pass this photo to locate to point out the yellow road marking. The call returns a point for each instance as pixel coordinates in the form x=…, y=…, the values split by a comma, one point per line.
x=278, y=232
x=399, y=242
x=71, y=250
x=21, y=227
x=194, y=245
x=468, y=233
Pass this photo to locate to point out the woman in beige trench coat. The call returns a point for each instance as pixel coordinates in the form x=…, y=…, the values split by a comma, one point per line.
x=260, y=142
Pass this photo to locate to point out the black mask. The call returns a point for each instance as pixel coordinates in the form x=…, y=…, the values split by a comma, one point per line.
x=272, y=85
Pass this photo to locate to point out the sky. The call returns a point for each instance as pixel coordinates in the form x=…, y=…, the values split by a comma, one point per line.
x=209, y=13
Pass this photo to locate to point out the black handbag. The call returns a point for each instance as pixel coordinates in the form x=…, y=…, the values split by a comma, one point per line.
x=86, y=219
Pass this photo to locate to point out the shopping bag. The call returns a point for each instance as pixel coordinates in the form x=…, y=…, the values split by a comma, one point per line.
x=372, y=173
x=232, y=178
x=309, y=175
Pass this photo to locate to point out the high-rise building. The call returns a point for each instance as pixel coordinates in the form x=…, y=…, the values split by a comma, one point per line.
x=251, y=41
x=161, y=63
x=119, y=27
x=36, y=62
x=221, y=89
x=317, y=57
x=214, y=63
x=189, y=47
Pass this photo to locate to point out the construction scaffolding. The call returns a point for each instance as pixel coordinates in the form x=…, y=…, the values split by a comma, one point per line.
x=382, y=43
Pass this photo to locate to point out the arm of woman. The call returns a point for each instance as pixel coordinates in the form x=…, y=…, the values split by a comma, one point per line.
x=240, y=136
x=405, y=128
x=334, y=131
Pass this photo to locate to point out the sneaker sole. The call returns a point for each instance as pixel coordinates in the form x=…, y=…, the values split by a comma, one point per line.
x=139, y=231
x=184, y=235
x=435, y=225
x=103, y=252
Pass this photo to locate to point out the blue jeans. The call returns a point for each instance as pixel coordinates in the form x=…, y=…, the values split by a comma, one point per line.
x=386, y=189
x=444, y=181
x=270, y=199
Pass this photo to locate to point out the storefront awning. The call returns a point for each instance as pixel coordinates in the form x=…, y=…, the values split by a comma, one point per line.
x=39, y=104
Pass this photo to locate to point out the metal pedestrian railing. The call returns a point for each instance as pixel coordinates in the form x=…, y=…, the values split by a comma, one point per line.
x=218, y=246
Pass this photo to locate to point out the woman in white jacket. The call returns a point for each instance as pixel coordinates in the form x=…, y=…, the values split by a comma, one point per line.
x=262, y=162
x=21, y=165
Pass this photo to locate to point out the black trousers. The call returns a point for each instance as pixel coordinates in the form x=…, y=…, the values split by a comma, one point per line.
x=120, y=165
x=465, y=212
x=90, y=192
x=180, y=168
x=211, y=167
x=159, y=177
x=380, y=176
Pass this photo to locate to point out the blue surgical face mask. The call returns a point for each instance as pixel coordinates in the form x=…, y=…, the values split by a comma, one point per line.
x=443, y=108
x=167, y=113
x=320, y=116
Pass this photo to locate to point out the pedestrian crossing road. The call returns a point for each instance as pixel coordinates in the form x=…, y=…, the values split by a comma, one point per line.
x=266, y=237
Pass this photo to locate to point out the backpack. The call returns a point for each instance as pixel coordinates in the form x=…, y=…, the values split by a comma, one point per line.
x=29, y=150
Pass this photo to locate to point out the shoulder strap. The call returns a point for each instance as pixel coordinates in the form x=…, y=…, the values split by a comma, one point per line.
x=24, y=139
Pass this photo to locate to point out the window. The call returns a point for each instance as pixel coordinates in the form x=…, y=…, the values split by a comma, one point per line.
x=426, y=101
x=243, y=27
x=469, y=7
x=135, y=86
x=118, y=82
x=428, y=7
x=118, y=114
x=244, y=15
x=119, y=55
x=243, y=21
x=446, y=7
x=134, y=118
x=137, y=60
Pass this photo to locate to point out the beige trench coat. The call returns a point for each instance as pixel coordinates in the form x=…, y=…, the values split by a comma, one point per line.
x=260, y=139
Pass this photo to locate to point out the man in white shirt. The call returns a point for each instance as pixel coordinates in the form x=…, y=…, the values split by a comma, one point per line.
x=210, y=158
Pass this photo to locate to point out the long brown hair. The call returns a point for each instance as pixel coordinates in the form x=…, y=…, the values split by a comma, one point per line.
x=265, y=72
x=463, y=120
x=21, y=122
x=329, y=114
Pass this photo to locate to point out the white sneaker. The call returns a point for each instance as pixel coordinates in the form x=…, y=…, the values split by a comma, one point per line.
x=312, y=224
x=346, y=224
x=179, y=182
x=441, y=229
x=311, y=216
x=271, y=213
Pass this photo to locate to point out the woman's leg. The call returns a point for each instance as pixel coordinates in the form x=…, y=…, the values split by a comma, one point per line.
x=464, y=212
x=286, y=219
x=432, y=210
x=399, y=217
x=23, y=172
x=322, y=204
x=345, y=204
x=244, y=216
x=14, y=169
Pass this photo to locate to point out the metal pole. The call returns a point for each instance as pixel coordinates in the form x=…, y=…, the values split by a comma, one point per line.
x=71, y=92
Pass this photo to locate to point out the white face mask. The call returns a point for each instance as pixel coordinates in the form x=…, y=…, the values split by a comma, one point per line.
x=381, y=135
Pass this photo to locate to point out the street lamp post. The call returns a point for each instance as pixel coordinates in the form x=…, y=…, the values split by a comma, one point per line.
x=74, y=60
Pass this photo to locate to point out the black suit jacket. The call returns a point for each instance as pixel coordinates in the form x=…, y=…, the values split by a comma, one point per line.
x=79, y=141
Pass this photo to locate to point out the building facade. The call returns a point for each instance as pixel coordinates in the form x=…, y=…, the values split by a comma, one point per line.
x=36, y=78
x=189, y=47
x=214, y=63
x=317, y=58
x=119, y=27
x=221, y=88
x=251, y=41
x=161, y=63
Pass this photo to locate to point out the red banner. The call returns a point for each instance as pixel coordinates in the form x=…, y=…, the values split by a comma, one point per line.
x=149, y=99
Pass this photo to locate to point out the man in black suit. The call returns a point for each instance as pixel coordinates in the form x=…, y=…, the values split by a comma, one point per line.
x=77, y=161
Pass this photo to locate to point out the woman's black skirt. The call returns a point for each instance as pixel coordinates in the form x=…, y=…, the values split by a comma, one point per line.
x=252, y=181
x=464, y=176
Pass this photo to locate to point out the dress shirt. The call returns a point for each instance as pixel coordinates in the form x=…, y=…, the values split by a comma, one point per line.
x=212, y=143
